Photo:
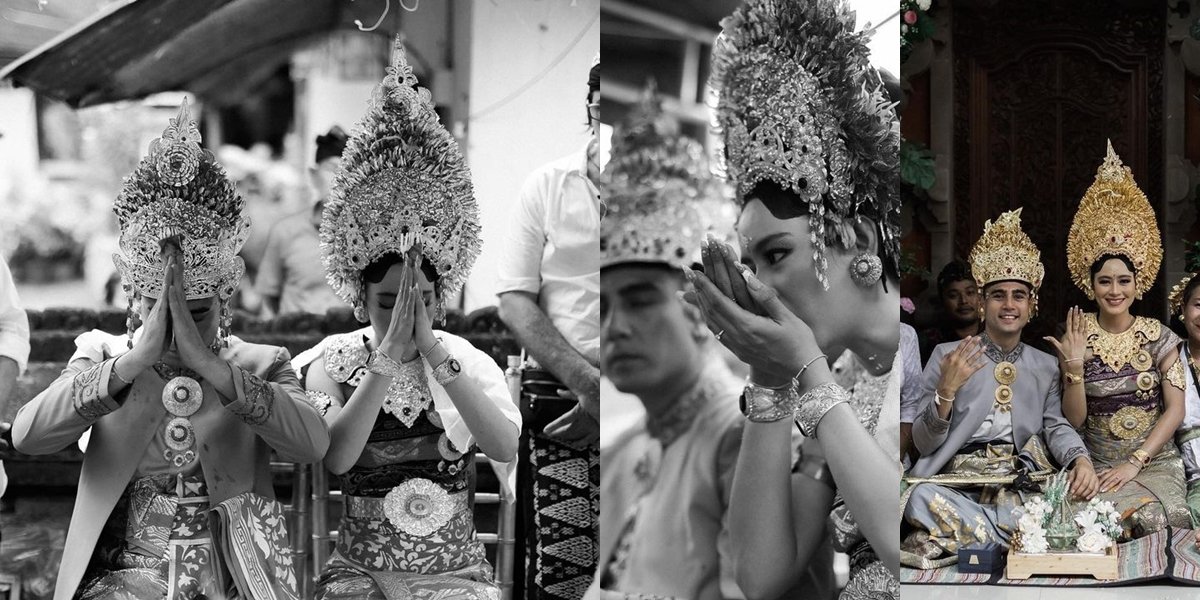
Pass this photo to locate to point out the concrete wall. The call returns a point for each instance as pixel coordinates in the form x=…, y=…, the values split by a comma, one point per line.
x=528, y=90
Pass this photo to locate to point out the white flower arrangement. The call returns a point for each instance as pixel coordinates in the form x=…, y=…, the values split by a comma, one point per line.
x=1099, y=524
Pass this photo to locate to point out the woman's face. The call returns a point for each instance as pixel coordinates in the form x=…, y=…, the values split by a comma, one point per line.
x=781, y=255
x=381, y=297
x=1113, y=286
x=1191, y=315
x=203, y=311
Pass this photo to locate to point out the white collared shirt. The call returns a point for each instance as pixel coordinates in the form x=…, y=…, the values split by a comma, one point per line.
x=552, y=250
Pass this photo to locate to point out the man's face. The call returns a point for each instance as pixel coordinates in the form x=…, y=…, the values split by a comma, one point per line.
x=960, y=300
x=647, y=340
x=1006, y=307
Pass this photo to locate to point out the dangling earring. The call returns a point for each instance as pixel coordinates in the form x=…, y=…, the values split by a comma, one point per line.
x=866, y=269
x=132, y=319
x=223, y=328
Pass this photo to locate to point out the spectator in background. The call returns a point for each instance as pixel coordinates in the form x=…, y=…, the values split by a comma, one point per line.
x=549, y=286
x=960, y=316
x=291, y=277
x=14, y=350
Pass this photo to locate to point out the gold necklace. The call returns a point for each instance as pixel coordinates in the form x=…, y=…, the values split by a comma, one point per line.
x=1119, y=349
x=1006, y=374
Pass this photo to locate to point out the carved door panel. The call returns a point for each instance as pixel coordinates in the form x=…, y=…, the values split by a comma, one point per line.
x=1038, y=89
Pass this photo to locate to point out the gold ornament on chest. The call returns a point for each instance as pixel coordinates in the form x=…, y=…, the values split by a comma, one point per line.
x=1006, y=375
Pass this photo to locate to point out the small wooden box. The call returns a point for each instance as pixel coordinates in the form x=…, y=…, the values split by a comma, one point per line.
x=981, y=558
x=1100, y=566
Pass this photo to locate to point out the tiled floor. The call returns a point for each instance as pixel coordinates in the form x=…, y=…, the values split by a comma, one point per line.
x=1006, y=592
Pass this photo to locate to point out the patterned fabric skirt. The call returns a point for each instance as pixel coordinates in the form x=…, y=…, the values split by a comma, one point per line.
x=157, y=544
x=560, y=495
x=375, y=561
x=1156, y=497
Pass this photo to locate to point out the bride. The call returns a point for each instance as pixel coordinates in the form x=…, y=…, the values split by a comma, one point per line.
x=813, y=157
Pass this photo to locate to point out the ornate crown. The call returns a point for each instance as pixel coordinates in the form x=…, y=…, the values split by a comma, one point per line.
x=656, y=187
x=800, y=105
x=179, y=190
x=403, y=182
x=1006, y=253
x=1115, y=218
x=1175, y=298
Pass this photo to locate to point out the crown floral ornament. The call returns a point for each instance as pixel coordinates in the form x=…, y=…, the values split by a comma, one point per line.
x=403, y=183
x=1006, y=253
x=659, y=191
x=800, y=105
x=1114, y=218
x=1175, y=298
x=179, y=193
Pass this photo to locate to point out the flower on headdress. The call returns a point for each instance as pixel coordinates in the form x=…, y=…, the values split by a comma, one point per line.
x=906, y=304
x=910, y=16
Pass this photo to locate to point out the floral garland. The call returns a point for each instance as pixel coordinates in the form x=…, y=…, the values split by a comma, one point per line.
x=915, y=25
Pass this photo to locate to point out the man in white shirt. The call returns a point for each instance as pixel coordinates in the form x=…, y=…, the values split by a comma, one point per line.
x=14, y=349
x=549, y=287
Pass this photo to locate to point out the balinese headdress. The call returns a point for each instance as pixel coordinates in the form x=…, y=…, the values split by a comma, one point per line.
x=178, y=190
x=656, y=187
x=403, y=182
x=1114, y=218
x=1006, y=253
x=1175, y=298
x=800, y=105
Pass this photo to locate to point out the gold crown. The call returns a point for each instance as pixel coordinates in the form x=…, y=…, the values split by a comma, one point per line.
x=657, y=188
x=1175, y=299
x=1006, y=253
x=179, y=190
x=1114, y=218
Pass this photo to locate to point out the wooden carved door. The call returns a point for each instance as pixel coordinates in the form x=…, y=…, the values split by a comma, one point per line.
x=1039, y=86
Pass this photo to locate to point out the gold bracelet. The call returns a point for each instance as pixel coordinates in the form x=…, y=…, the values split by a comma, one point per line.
x=1141, y=456
x=118, y=375
x=1072, y=379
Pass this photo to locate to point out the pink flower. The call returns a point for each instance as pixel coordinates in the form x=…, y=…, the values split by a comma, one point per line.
x=910, y=16
x=906, y=304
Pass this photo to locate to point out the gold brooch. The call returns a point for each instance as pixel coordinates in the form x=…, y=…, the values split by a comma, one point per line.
x=1006, y=373
x=1145, y=381
x=1004, y=398
x=1130, y=422
x=1142, y=361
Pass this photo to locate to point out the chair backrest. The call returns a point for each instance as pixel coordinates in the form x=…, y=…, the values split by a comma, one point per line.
x=297, y=513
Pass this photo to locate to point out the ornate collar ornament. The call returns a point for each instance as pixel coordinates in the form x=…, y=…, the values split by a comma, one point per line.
x=658, y=189
x=800, y=105
x=1006, y=253
x=403, y=182
x=1115, y=218
x=179, y=191
x=1119, y=349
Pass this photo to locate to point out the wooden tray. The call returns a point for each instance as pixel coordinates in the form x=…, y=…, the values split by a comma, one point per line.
x=1100, y=566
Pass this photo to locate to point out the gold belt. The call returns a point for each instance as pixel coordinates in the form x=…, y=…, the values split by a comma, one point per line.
x=417, y=507
x=1126, y=424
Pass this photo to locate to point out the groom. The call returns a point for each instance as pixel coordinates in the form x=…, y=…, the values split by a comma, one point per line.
x=992, y=412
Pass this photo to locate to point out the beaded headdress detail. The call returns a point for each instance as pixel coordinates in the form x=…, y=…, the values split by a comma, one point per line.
x=1175, y=298
x=1006, y=253
x=800, y=105
x=179, y=191
x=1114, y=218
x=657, y=187
x=403, y=183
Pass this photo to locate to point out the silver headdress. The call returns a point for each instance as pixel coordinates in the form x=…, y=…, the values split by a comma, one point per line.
x=658, y=188
x=403, y=182
x=800, y=105
x=179, y=191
